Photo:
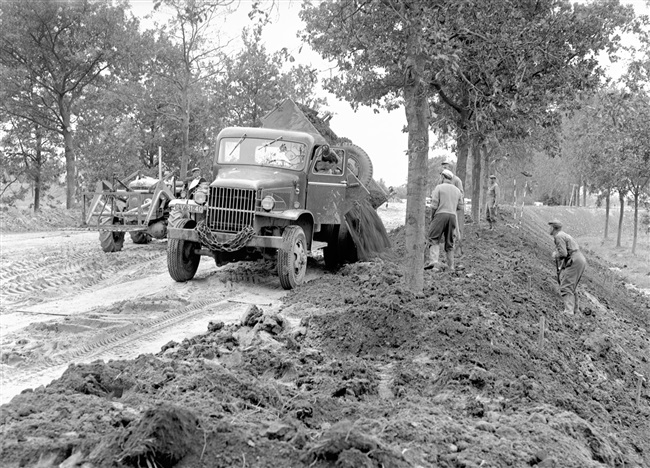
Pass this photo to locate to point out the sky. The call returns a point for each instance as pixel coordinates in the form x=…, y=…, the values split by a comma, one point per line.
x=381, y=134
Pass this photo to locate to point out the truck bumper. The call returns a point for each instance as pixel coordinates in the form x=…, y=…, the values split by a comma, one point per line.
x=271, y=242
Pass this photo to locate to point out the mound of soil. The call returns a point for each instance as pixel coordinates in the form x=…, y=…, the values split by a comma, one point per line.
x=483, y=369
x=49, y=218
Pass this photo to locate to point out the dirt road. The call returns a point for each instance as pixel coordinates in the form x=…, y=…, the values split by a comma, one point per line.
x=64, y=300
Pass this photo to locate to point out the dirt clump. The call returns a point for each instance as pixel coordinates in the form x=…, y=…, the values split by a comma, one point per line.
x=356, y=370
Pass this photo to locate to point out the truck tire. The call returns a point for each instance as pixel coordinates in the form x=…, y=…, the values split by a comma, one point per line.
x=332, y=253
x=292, y=257
x=347, y=247
x=359, y=163
x=111, y=241
x=182, y=260
x=140, y=237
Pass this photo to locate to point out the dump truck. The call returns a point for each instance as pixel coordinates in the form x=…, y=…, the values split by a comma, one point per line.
x=135, y=204
x=269, y=196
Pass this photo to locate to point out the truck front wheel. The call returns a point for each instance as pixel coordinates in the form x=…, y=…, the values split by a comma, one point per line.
x=292, y=257
x=182, y=259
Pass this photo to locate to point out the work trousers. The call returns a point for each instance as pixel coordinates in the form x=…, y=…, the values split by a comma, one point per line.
x=491, y=214
x=442, y=226
x=569, y=279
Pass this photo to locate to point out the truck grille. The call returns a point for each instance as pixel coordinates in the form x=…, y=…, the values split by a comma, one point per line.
x=230, y=209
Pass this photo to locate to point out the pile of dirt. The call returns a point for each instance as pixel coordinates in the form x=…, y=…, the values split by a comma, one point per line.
x=356, y=371
x=49, y=218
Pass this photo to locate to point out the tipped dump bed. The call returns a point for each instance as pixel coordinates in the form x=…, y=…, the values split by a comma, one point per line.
x=288, y=116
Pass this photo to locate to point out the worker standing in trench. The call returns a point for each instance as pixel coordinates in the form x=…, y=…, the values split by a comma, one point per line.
x=571, y=265
x=445, y=201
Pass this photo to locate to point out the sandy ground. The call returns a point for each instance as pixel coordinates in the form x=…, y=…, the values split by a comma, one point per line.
x=64, y=301
x=350, y=371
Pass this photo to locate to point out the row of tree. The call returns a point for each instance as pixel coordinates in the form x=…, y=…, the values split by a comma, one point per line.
x=84, y=76
x=490, y=74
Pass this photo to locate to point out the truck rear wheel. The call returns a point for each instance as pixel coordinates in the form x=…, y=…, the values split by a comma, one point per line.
x=140, y=237
x=111, y=241
x=359, y=163
x=347, y=247
x=182, y=259
x=292, y=257
x=331, y=253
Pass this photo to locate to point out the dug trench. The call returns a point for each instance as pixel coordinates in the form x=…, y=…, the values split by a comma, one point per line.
x=373, y=375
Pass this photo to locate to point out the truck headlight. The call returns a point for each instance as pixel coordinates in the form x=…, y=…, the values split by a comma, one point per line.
x=268, y=203
x=200, y=197
x=201, y=194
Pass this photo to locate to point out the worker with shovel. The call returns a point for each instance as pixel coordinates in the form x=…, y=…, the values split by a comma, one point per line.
x=570, y=264
x=445, y=201
x=460, y=214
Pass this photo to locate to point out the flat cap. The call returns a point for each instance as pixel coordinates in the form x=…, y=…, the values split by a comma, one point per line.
x=447, y=174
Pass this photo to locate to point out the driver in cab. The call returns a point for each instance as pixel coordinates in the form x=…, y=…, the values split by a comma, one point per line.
x=328, y=162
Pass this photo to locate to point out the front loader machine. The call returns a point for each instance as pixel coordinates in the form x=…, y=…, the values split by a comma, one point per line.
x=139, y=207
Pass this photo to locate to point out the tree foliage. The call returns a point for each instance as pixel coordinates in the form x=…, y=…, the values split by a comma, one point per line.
x=55, y=51
x=478, y=69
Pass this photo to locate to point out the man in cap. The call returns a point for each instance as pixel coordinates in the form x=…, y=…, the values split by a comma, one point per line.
x=572, y=265
x=445, y=202
x=328, y=160
x=492, y=201
x=460, y=214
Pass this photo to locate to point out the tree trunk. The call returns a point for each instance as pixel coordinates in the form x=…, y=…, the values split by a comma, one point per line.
x=607, y=212
x=485, y=180
x=578, y=194
x=636, y=218
x=476, y=179
x=461, y=163
x=621, y=199
x=38, y=167
x=185, y=130
x=584, y=194
x=417, y=118
x=70, y=162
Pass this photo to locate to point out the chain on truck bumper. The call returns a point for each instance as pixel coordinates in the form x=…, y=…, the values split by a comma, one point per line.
x=272, y=242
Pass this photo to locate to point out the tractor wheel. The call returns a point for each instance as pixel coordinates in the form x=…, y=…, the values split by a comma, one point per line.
x=292, y=257
x=182, y=259
x=140, y=237
x=359, y=163
x=174, y=217
x=111, y=241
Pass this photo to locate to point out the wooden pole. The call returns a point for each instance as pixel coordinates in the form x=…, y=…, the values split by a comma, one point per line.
x=160, y=174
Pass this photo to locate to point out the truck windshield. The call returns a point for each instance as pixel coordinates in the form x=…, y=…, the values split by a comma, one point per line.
x=275, y=152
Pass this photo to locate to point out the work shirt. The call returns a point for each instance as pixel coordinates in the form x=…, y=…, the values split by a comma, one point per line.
x=456, y=182
x=446, y=198
x=565, y=244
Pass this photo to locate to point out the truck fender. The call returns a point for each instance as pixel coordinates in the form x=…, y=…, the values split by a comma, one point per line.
x=302, y=218
x=292, y=215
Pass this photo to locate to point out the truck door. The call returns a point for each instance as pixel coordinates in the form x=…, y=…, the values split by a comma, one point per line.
x=326, y=188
